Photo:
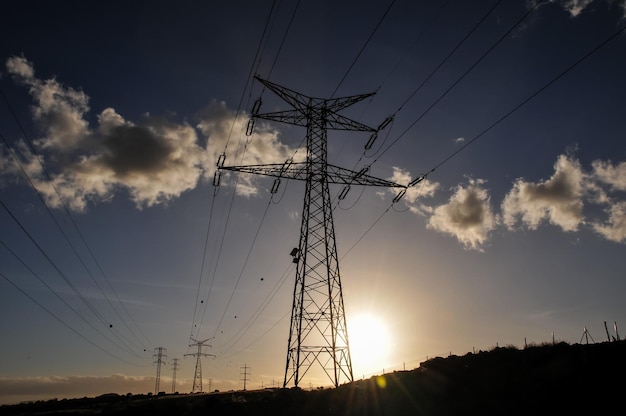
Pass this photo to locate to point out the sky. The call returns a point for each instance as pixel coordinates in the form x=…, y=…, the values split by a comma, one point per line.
x=115, y=239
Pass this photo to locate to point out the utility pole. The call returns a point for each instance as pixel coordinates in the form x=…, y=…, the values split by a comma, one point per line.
x=197, y=377
x=175, y=367
x=318, y=334
x=244, y=373
x=160, y=356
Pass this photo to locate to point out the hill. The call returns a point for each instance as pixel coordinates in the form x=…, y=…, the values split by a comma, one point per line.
x=549, y=379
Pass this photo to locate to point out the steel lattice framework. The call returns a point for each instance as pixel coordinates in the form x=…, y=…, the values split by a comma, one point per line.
x=318, y=334
x=197, y=377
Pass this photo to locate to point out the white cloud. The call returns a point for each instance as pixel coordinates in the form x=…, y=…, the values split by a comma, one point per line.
x=467, y=215
x=58, y=110
x=615, y=228
x=154, y=160
x=558, y=200
x=606, y=172
x=574, y=7
x=613, y=176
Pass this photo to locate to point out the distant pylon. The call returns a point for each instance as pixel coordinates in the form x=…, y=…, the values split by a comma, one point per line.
x=175, y=368
x=160, y=356
x=244, y=373
x=197, y=377
x=318, y=332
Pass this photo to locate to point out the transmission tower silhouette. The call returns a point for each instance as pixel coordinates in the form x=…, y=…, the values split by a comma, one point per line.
x=160, y=357
x=197, y=377
x=175, y=367
x=244, y=375
x=318, y=334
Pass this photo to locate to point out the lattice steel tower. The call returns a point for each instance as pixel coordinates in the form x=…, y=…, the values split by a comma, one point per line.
x=318, y=333
x=159, y=356
x=197, y=376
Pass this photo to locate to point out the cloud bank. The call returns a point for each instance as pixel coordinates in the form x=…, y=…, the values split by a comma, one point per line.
x=569, y=200
x=16, y=390
x=157, y=159
x=154, y=160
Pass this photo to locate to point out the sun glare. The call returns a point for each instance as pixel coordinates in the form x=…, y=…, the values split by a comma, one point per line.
x=370, y=344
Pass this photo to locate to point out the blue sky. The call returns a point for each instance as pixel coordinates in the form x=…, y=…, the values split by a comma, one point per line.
x=517, y=233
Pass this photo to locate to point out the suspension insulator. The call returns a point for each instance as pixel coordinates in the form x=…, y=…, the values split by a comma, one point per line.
x=286, y=165
x=250, y=127
x=399, y=196
x=275, y=185
x=217, y=177
x=220, y=160
x=371, y=141
x=257, y=106
x=362, y=172
x=417, y=180
x=344, y=192
x=385, y=123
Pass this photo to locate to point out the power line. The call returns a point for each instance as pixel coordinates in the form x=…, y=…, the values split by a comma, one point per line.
x=528, y=99
x=501, y=119
x=256, y=235
x=65, y=324
x=260, y=48
x=58, y=296
x=356, y=58
x=67, y=281
x=69, y=215
x=458, y=80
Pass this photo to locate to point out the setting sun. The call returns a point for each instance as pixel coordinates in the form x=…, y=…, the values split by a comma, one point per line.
x=370, y=344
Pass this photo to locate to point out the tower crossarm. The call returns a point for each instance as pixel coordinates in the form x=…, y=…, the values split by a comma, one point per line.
x=333, y=120
x=298, y=171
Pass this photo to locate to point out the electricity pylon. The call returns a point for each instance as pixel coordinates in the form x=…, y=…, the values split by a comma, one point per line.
x=175, y=367
x=160, y=357
x=318, y=333
x=197, y=377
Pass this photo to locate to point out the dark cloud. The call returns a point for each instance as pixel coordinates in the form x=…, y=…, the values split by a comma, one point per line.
x=135, y=149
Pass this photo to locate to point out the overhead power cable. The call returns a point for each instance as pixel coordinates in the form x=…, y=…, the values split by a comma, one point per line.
x=72, y=221
x=416, y=90
x=458, y=80
x=528, y=99
x=67, y=281
x=356, y=58
x=65, y=324
x=255, y=63
x=260, y=309
x=245, y=263
x=501, y=119
x=442, y=63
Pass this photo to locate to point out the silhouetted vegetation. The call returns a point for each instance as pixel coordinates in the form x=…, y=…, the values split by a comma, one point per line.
x=558, y=379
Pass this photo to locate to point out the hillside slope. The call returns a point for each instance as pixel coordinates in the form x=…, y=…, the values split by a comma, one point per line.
x=551, y=379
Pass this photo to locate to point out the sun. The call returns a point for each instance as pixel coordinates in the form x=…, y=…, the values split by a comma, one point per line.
x=370, y=344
